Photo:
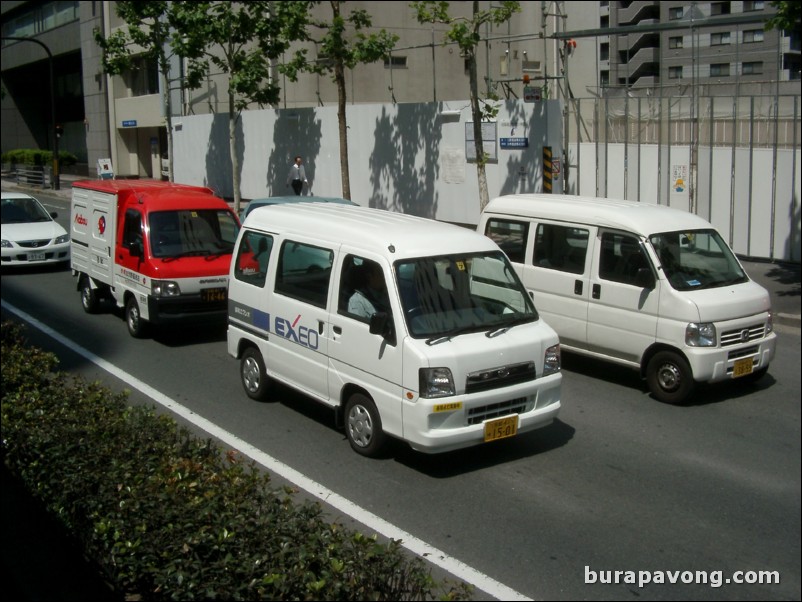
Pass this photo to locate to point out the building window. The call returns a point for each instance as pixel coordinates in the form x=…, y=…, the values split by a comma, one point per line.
x=720, y=39
x=676, y=42
x=675, y=72
x=752, y=68
x=719, y=8
x=604, y=52
x=143, y=79
x=675, y=13
x=719, y=69
x=753, y=35
x=395, y=62
x=604, y=79
x=753, y=6
x=604, y=22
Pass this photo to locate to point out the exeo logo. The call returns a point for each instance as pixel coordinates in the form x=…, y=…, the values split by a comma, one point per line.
x=101, y=224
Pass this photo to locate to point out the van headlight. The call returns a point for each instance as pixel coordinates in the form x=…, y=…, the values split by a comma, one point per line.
x=700, y=335
x=552, y=361
x=436, y=382
x=164, y=288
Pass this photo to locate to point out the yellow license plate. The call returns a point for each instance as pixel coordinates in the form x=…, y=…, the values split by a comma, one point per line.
x=213, y=294
x=742, y=367
x=501, y=428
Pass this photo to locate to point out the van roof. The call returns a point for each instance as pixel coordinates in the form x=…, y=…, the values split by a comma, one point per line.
x=374, y=229
x=640, y=218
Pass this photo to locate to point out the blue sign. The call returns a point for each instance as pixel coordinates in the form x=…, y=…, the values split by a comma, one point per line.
x=129, y=123
x=514, y=142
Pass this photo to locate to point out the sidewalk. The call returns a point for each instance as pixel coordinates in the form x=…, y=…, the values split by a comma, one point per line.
x=782, y=280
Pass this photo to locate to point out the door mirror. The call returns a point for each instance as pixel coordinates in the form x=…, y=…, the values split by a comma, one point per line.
x=644, y=278
x=381, y=324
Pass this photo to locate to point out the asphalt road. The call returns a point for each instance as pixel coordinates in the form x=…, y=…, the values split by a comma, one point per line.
x=619, y=483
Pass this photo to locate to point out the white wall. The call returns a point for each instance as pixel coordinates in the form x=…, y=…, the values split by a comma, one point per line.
x=403, y=157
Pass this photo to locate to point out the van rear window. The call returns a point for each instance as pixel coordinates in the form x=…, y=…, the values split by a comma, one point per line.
x=304, y=272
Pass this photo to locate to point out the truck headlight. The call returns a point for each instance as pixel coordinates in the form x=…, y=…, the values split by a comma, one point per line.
x=164, y=288
x=436, y=382
x=552, y=361
x=700, y=335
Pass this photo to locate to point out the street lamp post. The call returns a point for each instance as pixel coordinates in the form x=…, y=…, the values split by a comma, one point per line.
x=56, y=178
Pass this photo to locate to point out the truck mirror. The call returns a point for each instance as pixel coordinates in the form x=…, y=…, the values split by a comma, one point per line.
x=644, y=278
x=136, y=249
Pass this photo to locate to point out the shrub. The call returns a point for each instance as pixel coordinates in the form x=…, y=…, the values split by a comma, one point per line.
x=37, y=157
x=170, y=516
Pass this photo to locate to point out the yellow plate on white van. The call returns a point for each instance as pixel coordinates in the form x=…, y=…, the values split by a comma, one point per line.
x=501, y=428
x=742, y=367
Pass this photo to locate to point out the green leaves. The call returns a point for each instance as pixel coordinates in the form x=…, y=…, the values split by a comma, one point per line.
x=169, y=516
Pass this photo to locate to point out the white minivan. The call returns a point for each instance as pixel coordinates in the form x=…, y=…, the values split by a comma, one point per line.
x=406, y=327
x=643, y=285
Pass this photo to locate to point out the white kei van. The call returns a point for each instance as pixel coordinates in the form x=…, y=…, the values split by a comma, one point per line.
x=406, y=327
x=639, y=284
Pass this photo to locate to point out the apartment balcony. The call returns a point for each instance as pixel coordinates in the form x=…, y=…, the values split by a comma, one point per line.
x=638, y=11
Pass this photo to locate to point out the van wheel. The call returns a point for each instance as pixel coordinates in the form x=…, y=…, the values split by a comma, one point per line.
x=363, y=425
x=254, y=374
x=133, y=318
x=90, y=300
x=670, y=378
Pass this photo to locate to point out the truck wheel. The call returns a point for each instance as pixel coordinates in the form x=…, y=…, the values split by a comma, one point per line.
x=90, y=299
x=670, y=378
x=254, y=374
x=136, y=325
x=363, y=425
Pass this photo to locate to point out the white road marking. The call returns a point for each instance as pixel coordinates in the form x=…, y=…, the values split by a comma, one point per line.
x=421, y=548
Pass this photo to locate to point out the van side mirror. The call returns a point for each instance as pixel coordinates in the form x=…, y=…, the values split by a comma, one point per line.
x=644, y=278
x=381, y=324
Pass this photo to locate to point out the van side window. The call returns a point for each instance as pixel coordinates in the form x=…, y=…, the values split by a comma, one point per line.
x=363, y=290
x=621, y=258
x=510, y=236
x=252, y=258
x=304, y=272
x=562, y=248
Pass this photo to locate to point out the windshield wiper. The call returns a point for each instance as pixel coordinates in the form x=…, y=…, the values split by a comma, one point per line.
x=502, y=328
x=447, y=336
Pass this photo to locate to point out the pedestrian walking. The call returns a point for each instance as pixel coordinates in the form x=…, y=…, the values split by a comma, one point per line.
x=297, y=176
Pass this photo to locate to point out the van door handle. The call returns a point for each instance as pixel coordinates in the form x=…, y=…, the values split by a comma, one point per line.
x=320, y=326
x=338, y=330
x=596, y=291
x=577, y=287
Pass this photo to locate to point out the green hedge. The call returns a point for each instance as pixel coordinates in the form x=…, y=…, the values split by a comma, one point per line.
x=169, y=516
x=27, y=156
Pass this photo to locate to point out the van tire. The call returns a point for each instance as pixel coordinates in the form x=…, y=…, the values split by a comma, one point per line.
x=137, y=327
x=670, y=378
x=90, y=299
x=253, y=374
x=363, y=425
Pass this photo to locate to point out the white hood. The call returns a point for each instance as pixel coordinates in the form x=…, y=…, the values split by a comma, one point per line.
x=32, y=231
x=730, y=302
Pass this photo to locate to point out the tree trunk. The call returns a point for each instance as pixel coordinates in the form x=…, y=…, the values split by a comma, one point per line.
x=476, y=111
x=339, y=76
x=233, y=115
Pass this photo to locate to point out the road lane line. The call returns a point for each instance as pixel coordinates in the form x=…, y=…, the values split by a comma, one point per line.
x=344, y=505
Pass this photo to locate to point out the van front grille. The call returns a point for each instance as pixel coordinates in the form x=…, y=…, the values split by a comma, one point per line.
x=501, y=376
x=494, y=410
x=743, y=335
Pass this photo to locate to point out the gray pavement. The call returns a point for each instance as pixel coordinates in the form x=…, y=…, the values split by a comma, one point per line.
x=782, y=280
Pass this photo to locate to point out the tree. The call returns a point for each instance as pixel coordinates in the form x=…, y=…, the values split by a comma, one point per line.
x=465, y=33
x=147, y=36
x=338, y=50
x=240, y=39
x=788, y=17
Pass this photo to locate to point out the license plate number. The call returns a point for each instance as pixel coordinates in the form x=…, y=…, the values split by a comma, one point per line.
x=501, y=428
x=36, y=256
x=742, y=367
x=213, y=294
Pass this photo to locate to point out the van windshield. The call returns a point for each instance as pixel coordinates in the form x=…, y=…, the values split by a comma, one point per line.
x=697, y=259
x=453, y=294
x=192, y=232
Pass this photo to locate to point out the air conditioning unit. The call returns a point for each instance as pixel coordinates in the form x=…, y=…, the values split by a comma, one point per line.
x=532, y=67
